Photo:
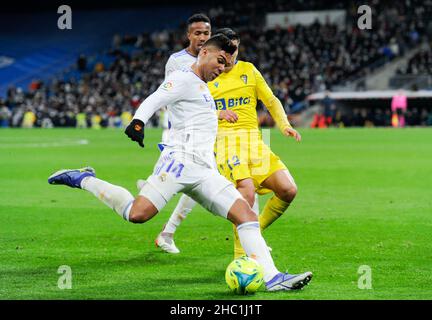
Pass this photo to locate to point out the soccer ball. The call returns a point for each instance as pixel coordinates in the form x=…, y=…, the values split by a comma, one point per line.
x=244, y=275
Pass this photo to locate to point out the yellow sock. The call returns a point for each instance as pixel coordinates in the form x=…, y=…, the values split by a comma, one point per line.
x=238, y=249
x=273, y=209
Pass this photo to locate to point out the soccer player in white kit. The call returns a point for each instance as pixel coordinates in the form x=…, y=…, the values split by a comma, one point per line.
x=199, y=30
x=186, y=163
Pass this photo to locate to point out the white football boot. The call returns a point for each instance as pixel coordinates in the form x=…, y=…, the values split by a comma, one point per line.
x=165, y=241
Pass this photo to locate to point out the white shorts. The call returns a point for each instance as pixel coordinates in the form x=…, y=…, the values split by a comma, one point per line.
x=176, y=172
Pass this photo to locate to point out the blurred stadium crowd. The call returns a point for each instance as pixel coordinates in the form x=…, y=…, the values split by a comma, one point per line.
x=296, y=62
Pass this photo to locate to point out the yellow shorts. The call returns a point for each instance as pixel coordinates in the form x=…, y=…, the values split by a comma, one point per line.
x=244, y=157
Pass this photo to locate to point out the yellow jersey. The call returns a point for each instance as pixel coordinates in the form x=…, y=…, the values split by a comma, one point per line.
x=239, y=90
x=239, y=149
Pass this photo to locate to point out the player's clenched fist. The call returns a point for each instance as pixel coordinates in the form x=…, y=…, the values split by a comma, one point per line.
x=228, y=115
x=135, y=131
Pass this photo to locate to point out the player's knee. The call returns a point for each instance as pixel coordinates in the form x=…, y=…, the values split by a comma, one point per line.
x=247, y=216
x=248, y=194
x=250, y=198
x=139, y=215
x=241, y=212
x=287, y=193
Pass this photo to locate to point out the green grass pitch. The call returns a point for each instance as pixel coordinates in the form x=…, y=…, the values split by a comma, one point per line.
x=364, y=199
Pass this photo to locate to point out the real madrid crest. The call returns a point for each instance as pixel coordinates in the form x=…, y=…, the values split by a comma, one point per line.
x=244, y=78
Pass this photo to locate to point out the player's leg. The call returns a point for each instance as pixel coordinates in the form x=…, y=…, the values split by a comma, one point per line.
x=246, y=188
x=402, y=120
x=136, y=210
x=238, y=250
x=239, y=174
x=165, y=239
x=183, y=208
x=219, y=196
x=252, y=241
x=255, y=206
x=285, y=189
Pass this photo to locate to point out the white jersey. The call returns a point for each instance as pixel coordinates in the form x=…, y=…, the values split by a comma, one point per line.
x=164, y=118
x=192, y=114
x=178, y=61
x=181, y=60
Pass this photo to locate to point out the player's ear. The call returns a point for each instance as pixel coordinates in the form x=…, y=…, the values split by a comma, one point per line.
x=188, y=32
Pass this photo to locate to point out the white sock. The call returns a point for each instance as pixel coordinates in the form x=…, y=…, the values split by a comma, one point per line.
x=184, y=206
x=115, y=197
x=255, y=207
x=255, y=247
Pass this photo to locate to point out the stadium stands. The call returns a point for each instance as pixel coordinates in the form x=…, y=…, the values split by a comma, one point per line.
x=296, y=61
x=417, y=74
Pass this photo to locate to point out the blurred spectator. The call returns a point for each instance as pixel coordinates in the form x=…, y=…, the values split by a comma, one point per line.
x=429, y=119
x=419, y=64
x=116, y=41
x=96, y=121
x=34, y=85
x=82, y=63
x=5, y=114
x=126, y=117
x=326, y=114
x=81, y=120
x=329, y=108
x=28, y=119
x=399, y=106
x=296, y=61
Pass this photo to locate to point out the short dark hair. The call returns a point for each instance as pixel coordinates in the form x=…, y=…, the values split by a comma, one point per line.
x=198, y=17
x=222, y=42
x=229, y=33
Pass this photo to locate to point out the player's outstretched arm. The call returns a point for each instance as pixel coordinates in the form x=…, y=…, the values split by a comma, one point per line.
x=274, y=106
x=278, y=114
x=170, y=91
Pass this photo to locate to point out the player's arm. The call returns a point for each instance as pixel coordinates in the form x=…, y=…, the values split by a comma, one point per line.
x=168, y=92
x=274, y=106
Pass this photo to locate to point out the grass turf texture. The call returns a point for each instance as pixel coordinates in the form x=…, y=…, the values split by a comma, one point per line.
x=364, y=199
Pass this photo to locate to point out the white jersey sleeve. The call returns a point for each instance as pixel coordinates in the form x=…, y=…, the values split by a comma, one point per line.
x=171, y=66
x=170, y=91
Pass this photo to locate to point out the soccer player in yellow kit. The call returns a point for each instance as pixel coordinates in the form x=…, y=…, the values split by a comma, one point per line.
x=241, y=154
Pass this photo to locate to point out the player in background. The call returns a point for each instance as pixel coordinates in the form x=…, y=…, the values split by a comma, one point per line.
x=198, y=31
x=186, y=164
x=241, y=155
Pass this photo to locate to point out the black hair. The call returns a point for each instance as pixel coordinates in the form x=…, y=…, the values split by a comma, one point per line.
x=229, y=33
x=222, y=42
x=198, y=17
